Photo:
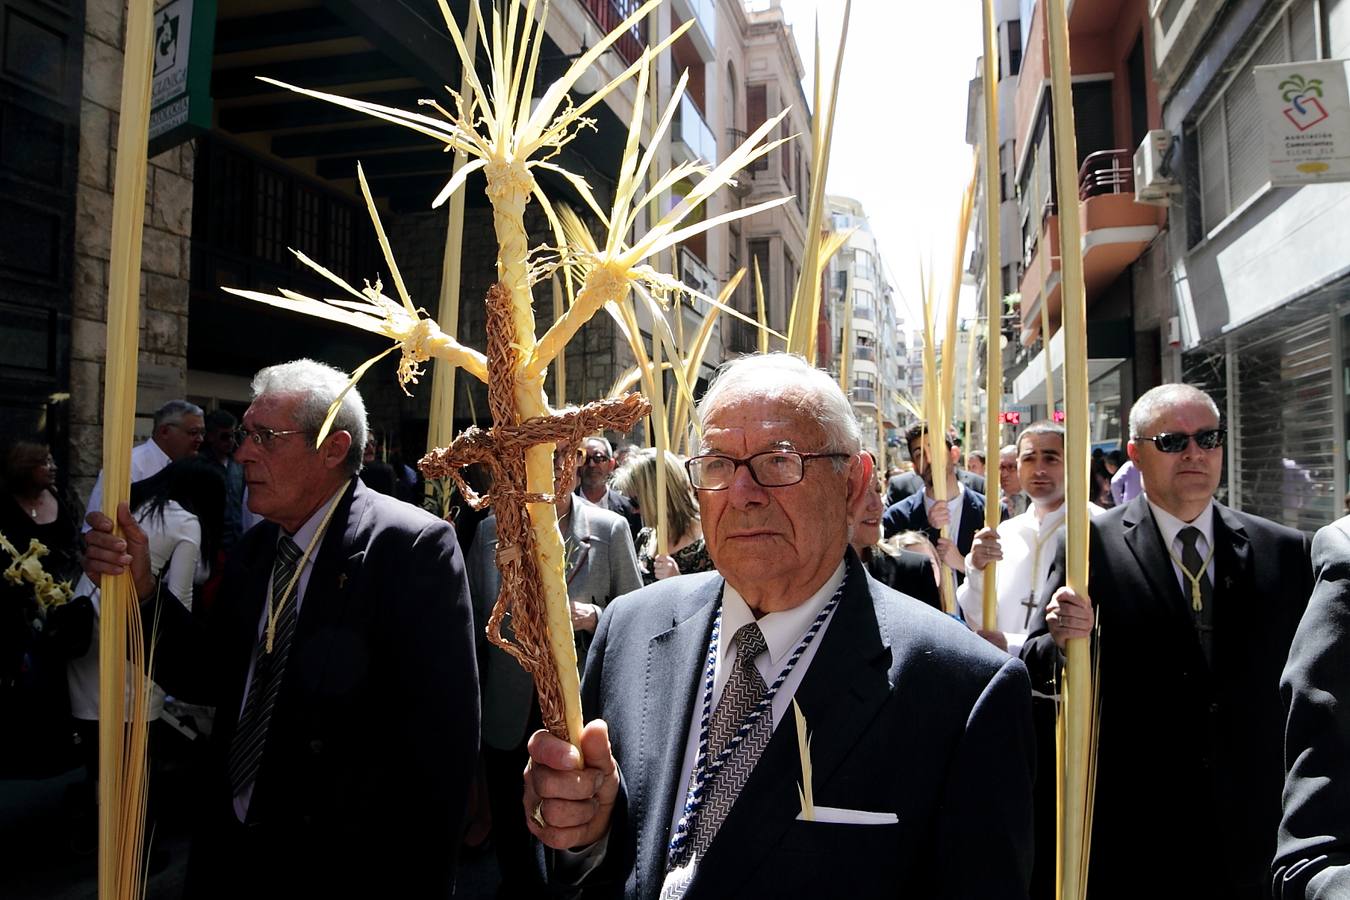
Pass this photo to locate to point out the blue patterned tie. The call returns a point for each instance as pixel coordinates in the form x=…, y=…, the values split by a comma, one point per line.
x=744, y=689
x=269, y=670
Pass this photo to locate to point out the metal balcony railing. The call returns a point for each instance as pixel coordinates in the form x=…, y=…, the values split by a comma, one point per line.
x=608, y=14
x=867, y=353
x=1106, y=172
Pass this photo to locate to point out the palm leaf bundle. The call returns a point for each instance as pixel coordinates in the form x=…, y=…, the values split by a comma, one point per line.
x=509, y=137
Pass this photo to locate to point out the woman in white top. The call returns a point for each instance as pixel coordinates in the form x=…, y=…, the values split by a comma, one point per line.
x=181, y=509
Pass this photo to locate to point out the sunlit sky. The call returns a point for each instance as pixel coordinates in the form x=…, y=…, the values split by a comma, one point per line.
x=899, y=140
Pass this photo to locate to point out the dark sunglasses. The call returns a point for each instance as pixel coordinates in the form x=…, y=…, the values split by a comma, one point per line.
x=1177, y=442
x=596, y=458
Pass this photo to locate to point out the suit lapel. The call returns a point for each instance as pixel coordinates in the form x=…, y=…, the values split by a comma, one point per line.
x=327, y=594
x=1145, y=542
x=1234, y=581
x=840, y=696
x=244, y=623
x=676, y=661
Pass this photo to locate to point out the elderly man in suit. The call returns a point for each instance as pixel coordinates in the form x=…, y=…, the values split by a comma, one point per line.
x=1198, y=605
x=1313, y=851
x=340, y=659
x=601, y=565
x=963, y=511
x=687, y=782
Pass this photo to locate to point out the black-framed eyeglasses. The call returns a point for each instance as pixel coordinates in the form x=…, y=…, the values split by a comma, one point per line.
x=1177, y=441
x=772, y=468
x=262, y=436
x=595, y=458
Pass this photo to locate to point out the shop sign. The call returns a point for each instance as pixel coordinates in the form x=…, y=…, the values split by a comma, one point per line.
x=1305, y=110
x=180, y=93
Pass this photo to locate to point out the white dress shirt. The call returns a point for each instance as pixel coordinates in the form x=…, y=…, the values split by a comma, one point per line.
x=1171, y=526
x=302, y=538
x=146, y=459
x=954, y=504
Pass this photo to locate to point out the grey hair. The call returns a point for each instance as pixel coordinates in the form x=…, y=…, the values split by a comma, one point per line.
x=788, y=377
x=172, y=413
x=1007, y=450
x=609, y=448
x=318, y=386
x=1155, y=401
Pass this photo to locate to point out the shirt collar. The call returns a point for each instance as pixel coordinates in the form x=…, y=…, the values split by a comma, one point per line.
x=953, y=499
x=306, y=532
x=1170, y=525
x=783, y=630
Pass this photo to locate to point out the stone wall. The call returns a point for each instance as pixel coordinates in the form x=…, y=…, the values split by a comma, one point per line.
x=165, y=253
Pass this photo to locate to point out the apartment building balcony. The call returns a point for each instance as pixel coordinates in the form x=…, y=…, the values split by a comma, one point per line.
x=695, y=274
x=703, y=34
x=694, y=140
x=609, y=14
x=1116, y=230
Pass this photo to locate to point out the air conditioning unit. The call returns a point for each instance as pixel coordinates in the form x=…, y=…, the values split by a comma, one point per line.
x=1153, y=181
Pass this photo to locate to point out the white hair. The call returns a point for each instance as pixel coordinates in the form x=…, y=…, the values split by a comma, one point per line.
x=318, y=386
x=609, y=448
x=172, y=413
x=1156, y=401
x=787, y=377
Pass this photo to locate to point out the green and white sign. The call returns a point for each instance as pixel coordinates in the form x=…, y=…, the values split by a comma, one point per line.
x=1305, y=108
x=180, y=93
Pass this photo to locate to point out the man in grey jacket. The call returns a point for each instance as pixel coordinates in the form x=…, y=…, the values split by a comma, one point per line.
x=601, y=565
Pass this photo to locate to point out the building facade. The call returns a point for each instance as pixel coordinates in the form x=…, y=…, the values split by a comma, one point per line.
x=274, y=171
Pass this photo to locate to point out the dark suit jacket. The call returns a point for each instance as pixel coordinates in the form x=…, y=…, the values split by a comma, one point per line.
x=906, y=483
x=903, y=704
x=363, y=787
x=1313, y=852
x=911, y=515
x=1189, y=757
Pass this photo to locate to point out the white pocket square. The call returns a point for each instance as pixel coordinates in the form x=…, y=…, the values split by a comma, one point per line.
x=836, y=816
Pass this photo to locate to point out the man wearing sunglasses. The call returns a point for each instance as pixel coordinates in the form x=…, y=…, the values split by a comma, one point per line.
x=339, y=656
x=1197, y=605
x=595, y=465
x=691, y=768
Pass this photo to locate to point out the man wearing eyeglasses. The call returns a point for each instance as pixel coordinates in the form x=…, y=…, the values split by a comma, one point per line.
x=594, y=468
x=339, y=656
x=686, y=783
x=1197, y=605
x=177, y=433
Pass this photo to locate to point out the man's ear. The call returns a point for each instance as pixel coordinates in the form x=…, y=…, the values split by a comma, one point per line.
x=859, y=476
x=335, y=447
x=1132, y=451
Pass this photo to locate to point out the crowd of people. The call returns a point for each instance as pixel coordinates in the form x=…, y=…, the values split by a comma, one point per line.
x=364, y=729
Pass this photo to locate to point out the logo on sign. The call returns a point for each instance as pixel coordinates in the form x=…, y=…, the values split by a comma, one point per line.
x=166, y=43
x=1303, y=95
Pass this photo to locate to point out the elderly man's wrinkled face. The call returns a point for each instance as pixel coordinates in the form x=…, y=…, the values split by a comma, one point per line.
x=287, y=478
x=776, y=545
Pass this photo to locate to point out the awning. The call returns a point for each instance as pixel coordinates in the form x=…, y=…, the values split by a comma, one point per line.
x=1029, y=387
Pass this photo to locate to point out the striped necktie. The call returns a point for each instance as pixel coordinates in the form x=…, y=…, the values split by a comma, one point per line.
x=744, y=689
x=269, y=670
